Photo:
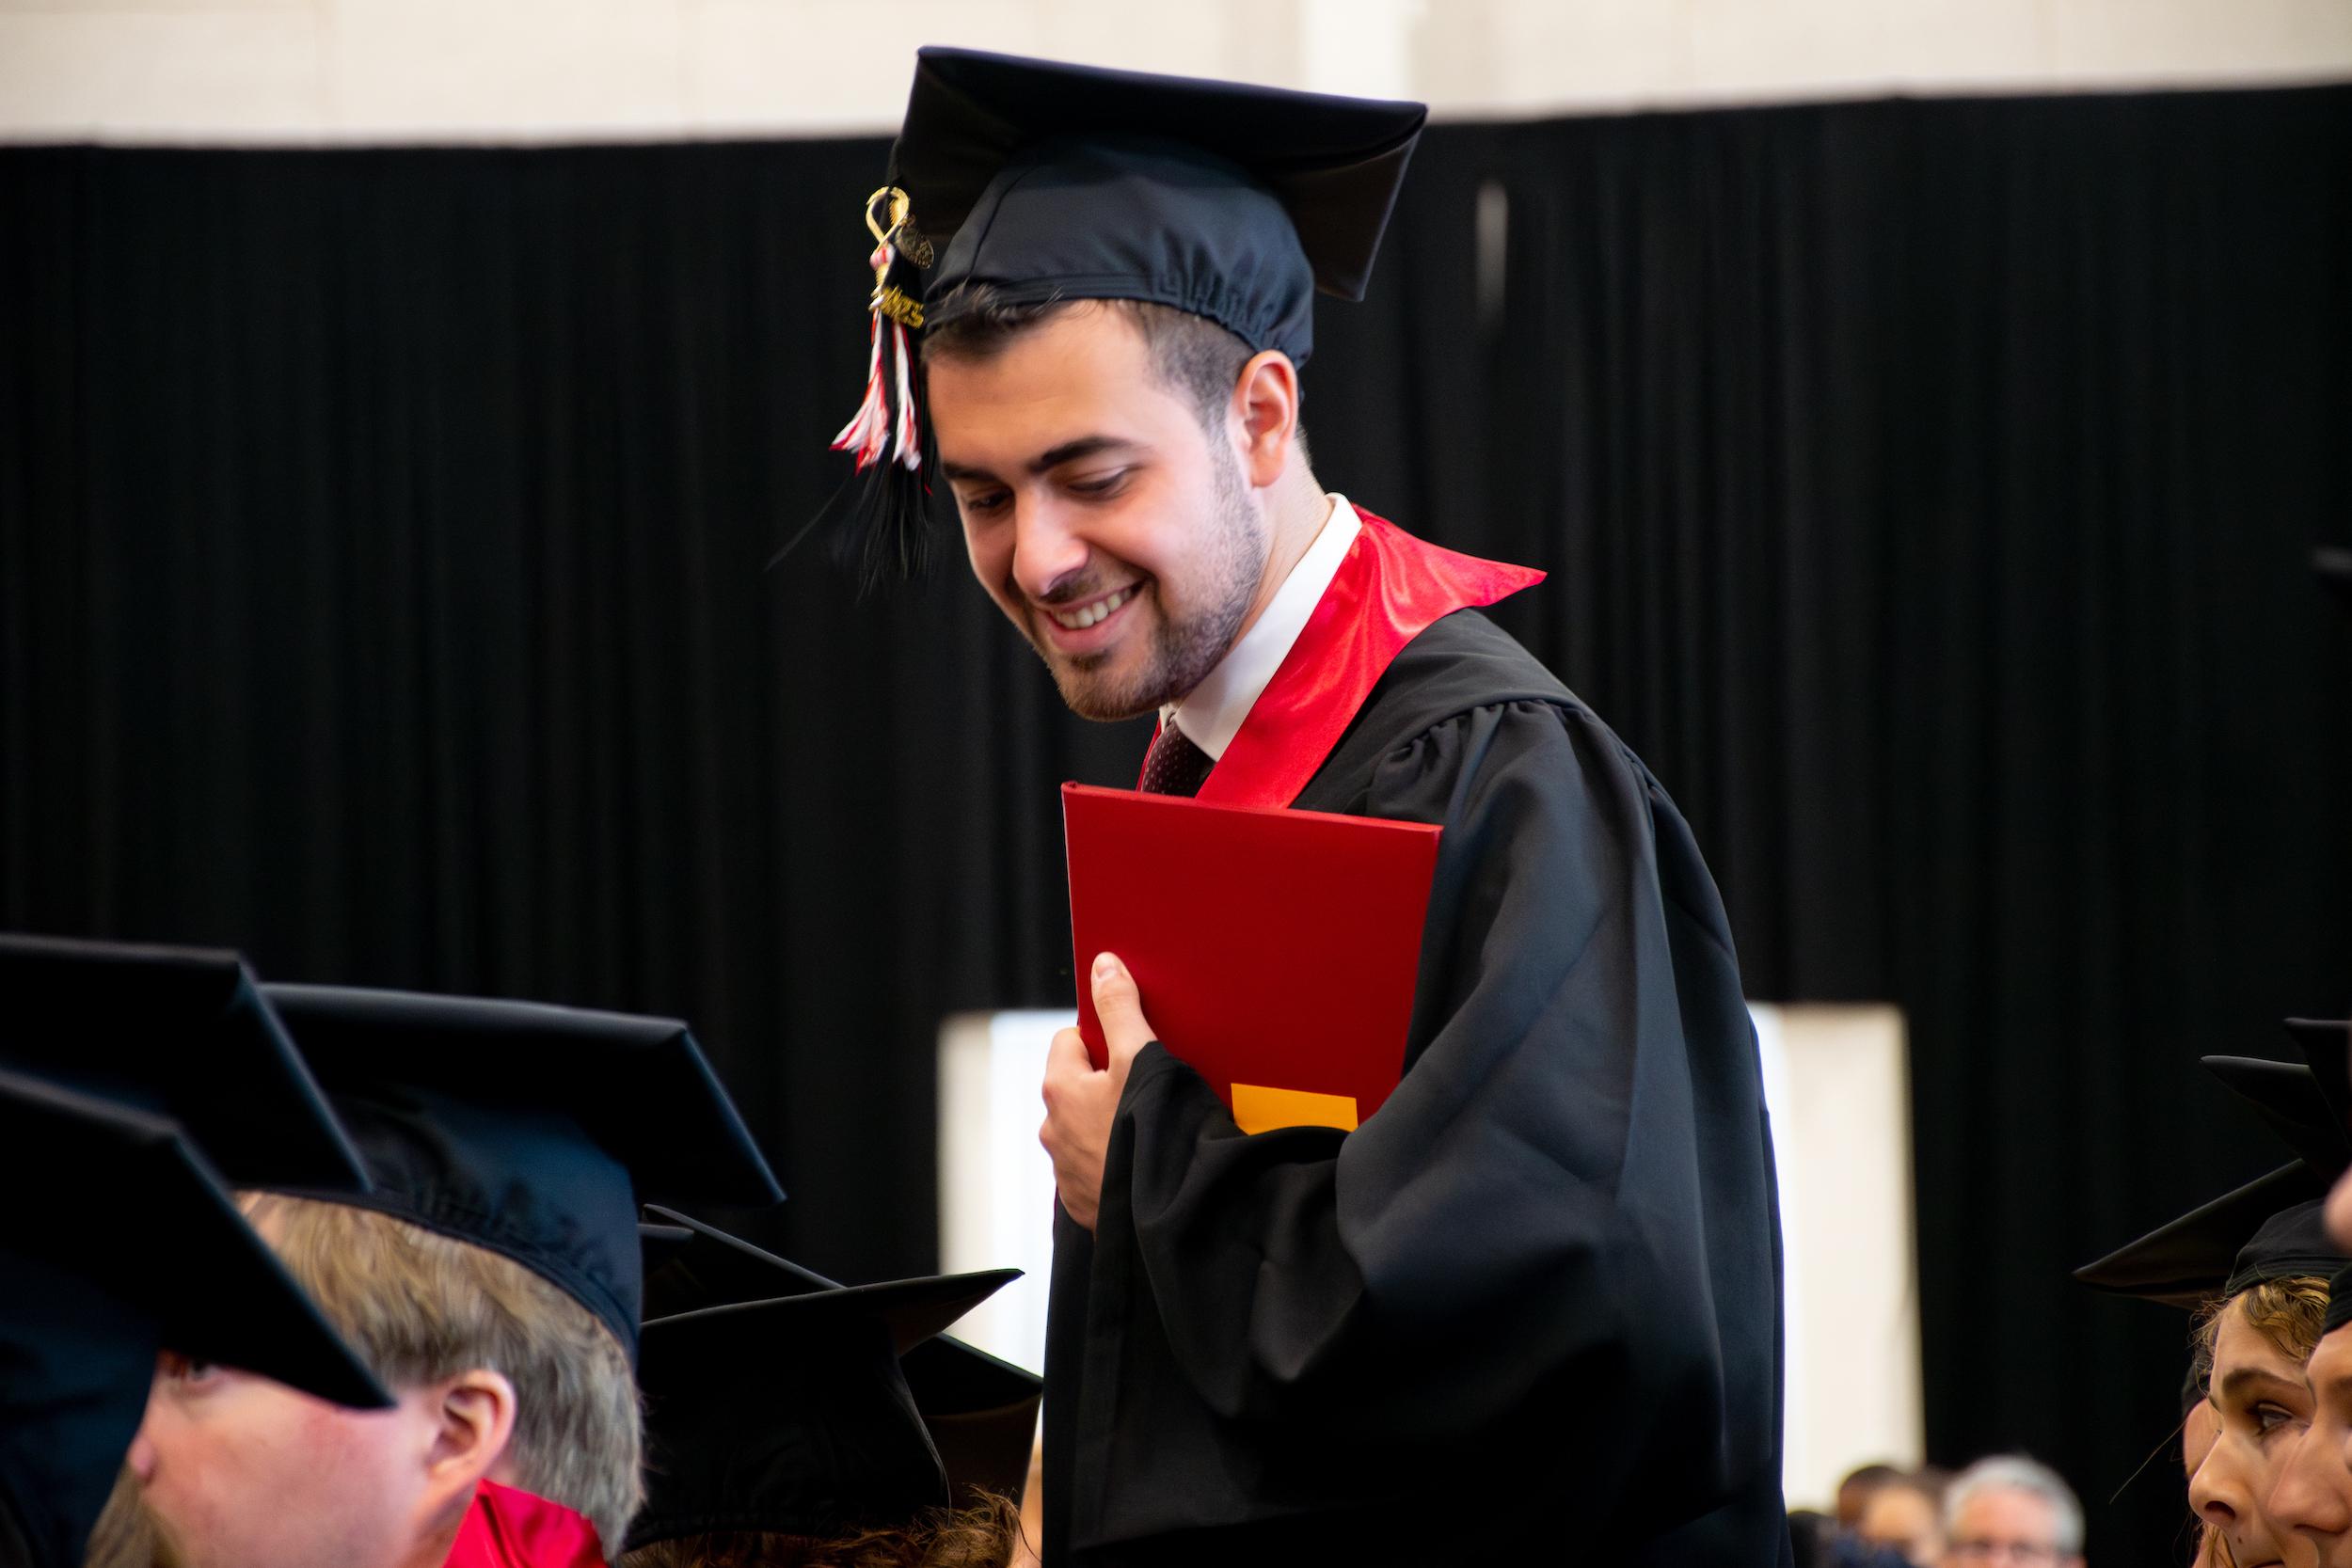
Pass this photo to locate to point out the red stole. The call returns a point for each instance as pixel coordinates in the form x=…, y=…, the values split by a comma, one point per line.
x=1389, y=589
x=507, y=1529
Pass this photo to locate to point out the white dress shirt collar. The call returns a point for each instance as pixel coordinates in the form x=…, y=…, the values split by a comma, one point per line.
x=1211, y=714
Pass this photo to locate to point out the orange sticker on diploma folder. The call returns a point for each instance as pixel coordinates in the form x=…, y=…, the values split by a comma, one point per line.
x=1259, y=1109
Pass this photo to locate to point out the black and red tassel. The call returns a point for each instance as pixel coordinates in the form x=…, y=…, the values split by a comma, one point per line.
x=879, y=522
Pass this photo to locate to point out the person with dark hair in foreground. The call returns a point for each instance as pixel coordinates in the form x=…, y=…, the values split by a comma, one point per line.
x=1307, y=1343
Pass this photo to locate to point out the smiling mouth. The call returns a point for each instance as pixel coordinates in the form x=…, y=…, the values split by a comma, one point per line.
x=1094, y=613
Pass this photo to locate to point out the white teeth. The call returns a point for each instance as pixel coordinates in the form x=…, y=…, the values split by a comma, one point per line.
x=1099, y=610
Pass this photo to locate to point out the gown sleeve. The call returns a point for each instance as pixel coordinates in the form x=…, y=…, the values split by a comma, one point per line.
x=1533, y=1205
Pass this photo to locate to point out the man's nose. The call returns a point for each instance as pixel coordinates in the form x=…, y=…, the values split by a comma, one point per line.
x=1046, y=550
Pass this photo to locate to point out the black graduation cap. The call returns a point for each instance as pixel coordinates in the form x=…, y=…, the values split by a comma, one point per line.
x=2296, y=1103
x=1065, y=181
x=1050, y=181
x=2191, y=1260
x=532, y=1131
x=125, y=1241
x=2327, y=1047
x=182, y=1032
x=849, y=1410
x=2266, y=1229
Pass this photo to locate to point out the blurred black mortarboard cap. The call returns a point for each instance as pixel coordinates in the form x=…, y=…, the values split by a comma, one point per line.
x=182, y=1033
x=1050, y=181
x=980, y=1413
x=2188, y=1262
x=2296, y=1104
x=2265, y=1229
x=532, y=1130
x=124, y=1240
x=791, y=1414
x=2327, y=1047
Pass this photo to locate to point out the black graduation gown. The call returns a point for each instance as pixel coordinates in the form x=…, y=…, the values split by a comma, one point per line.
x=1528, y=1312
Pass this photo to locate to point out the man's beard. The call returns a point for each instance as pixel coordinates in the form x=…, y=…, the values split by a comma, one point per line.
x=128, y=1534
x=1184, y=651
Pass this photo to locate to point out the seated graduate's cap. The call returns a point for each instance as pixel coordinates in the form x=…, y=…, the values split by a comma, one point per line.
x=2268, y=1229
x=183, y=1033
x=532, y=1131
x=2190, y=1260
x=2298, y=1105
x=124, y=1240
x=1050, y=181
x=866, y=1415
x=2327, y=1047
x=2291, y=1244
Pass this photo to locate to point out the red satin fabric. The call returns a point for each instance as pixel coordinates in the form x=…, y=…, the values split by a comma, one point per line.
x=507, y=1529
x=1391, y=588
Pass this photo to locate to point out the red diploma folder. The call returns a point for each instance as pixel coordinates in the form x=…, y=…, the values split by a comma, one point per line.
x=1275, y=950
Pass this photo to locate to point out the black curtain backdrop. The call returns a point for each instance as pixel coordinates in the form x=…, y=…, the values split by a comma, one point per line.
x=1928, y=490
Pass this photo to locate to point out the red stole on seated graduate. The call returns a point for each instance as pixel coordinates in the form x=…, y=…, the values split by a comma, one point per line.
x=509, y=1529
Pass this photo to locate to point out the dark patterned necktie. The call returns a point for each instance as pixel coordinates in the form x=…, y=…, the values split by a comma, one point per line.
x=1175, y=766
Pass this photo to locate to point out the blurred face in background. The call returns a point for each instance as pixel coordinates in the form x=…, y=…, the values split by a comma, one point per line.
x=2007, y=1525
x=1903, y=1517
x=2263, y=1403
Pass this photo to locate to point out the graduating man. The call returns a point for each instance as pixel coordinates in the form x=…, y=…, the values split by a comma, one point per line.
x=1533, y=1301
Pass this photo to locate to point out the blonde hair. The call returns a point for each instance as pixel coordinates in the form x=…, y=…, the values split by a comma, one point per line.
x=420, y=1307
x=981, y=1536
x=2288, y=1313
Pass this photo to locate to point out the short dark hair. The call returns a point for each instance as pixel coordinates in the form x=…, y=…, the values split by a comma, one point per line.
x=1191, y=354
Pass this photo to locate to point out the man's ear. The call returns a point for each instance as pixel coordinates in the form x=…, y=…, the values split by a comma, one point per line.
x=473, y=1421
x=1265, y=408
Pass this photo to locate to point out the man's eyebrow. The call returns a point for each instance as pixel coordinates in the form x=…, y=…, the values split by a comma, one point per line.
x=2339, y=1388
x=1053, y=457
x=1084, y=445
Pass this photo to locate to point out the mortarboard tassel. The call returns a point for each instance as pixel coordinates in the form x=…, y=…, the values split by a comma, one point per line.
x=878, y=520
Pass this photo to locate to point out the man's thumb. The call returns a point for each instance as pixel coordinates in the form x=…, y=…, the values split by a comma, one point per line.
x=1115, y=999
